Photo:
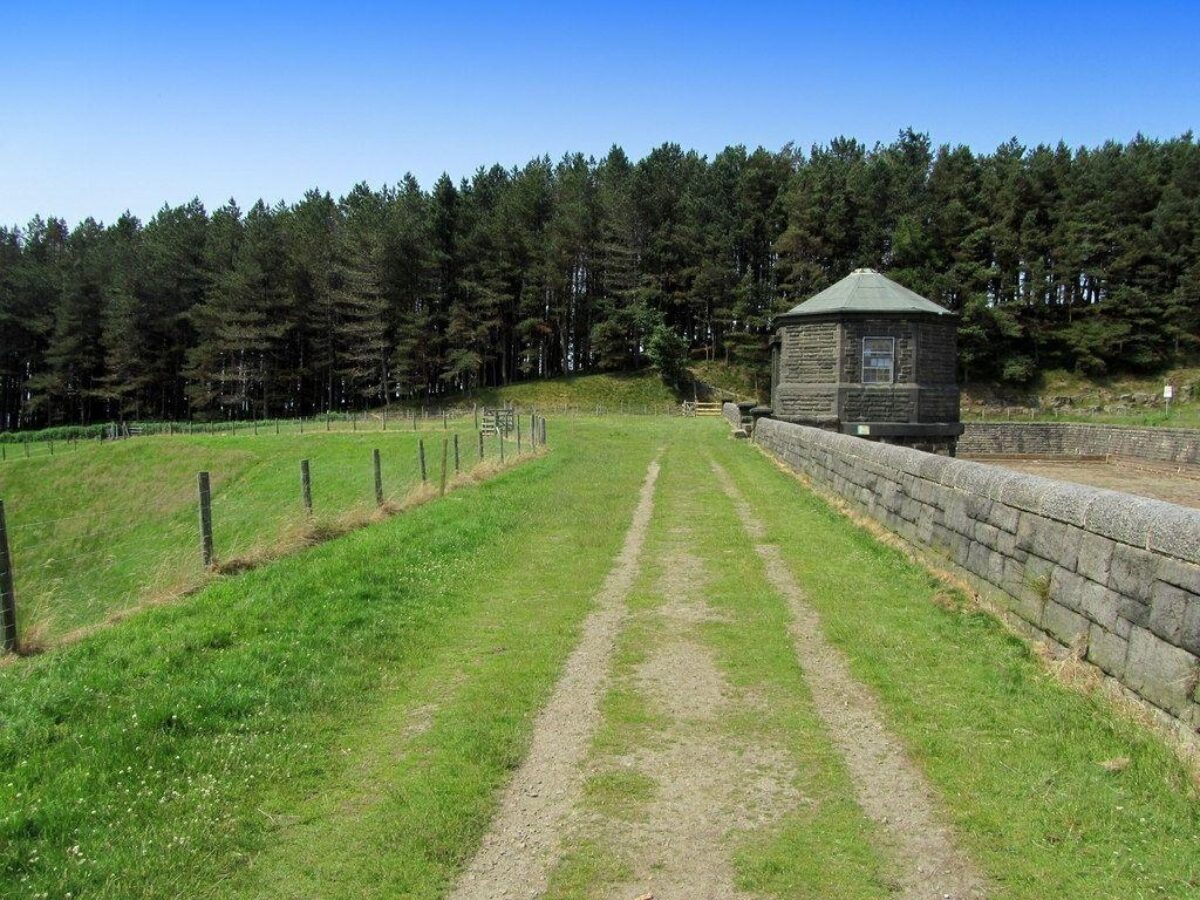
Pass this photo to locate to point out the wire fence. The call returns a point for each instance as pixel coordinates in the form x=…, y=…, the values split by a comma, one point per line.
x=54, y=442
x=138, y=523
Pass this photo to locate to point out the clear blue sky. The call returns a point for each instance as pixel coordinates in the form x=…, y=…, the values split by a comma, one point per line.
x=108, y=106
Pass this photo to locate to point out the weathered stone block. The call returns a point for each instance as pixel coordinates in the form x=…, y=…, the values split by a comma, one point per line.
x=1162, y=673
x=1068, y=503
x=1131, y=572
x=1181, y=574
x=1168, y=604
x=1067, y=588
x=1124, y=518
x=1049, y=539
x=1064, y=624
x=1095, y=557
x=1107, y=651
x=1175, y=531
x=1100, y=604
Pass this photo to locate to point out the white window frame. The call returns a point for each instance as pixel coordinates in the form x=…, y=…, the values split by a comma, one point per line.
x=876, y=369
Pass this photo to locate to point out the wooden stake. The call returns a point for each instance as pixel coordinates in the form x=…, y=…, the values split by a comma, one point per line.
x=457, y=465
x=378, y=478
x=306, y=486
x=206, y=535
x=421, y=454
x=8, y=599
x=480, y=446
x=445, y=452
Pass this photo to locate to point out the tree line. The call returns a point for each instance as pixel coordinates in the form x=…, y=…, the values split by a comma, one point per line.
x=1085, y=258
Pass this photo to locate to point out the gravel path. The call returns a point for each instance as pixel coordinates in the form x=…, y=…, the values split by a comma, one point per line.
x=523, y=843
x=888, y=787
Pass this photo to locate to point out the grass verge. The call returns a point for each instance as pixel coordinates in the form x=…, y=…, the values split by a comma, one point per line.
x=340, y=718
x=1018, y=757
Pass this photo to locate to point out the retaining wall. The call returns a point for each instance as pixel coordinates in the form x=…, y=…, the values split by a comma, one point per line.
x=1113, y=575
x=1167, y=445
x=732, y=414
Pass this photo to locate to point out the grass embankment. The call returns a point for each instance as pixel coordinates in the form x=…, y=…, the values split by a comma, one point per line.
x=628, y=391
x=746, y=382
x=341, y=718
x=100, y=528
x=1070, y=397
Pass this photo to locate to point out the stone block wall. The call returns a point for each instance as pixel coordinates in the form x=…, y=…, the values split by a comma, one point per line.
x=1113, y=575
x=732, y=414
x=1165, y=445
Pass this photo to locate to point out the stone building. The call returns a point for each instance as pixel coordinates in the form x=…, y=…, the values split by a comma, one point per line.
x=871, y=358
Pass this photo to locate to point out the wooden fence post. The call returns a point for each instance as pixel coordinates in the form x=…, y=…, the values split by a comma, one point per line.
x=326, y=420
x=445, y=452
x=476, y=408
x=421, y=454
x=543, y=432
x=378, y=478
x=306, y=486
x=206, y=537
x=480, y=446
x=8, y=599
x=500, y=441
x=444, y=426
x=457, y=466
x=517, y=429
x=414, y=419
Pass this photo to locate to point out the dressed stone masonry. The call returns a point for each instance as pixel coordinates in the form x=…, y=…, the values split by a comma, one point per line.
x=869, y=357
x=1166, y=445
x=1113, y=575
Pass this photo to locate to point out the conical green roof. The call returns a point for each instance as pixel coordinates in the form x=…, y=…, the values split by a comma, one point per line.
x=866, y=291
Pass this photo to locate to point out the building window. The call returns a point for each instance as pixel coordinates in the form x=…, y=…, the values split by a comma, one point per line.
x=879, y=360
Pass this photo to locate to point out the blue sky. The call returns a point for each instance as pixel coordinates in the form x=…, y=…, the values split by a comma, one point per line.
x=108, y=106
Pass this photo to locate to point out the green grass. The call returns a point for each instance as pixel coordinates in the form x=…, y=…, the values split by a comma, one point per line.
x=97, y=529
x=822, y=846
x=340, y=722
x=748, y=382
x=630, y=391
x=1070, y=397
x=1015, y=755
x=335, y=723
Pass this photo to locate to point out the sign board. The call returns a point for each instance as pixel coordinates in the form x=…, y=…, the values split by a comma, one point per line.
x=863, y=429
x=1168, y=392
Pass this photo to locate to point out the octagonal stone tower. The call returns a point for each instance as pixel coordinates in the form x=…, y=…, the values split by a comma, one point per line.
x=869, y=357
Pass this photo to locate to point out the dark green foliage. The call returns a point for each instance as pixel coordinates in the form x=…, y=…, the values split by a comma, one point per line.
x=1087, y=260
x=668, y=352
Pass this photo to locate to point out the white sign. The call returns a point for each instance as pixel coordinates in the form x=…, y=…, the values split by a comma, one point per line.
x=864, y=429
x=1168, y=392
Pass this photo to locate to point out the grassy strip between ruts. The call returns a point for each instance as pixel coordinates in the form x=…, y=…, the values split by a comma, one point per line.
x=159, y=757
x=784, y=800
x=1016, y=755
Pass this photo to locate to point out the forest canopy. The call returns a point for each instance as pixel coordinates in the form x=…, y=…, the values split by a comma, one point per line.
x=1086, y=259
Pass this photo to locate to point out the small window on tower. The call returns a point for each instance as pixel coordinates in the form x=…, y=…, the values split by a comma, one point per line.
x=879, y=359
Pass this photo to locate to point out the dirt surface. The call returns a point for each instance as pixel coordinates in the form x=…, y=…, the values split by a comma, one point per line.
x=1133, y=477
x=888, y=787
x=523, y=842
x=708, y=782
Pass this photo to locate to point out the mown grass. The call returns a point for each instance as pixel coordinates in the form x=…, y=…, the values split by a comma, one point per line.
x=1015, y=754
x=341, y=718
x=821, y=846
x=339, y=723
x=102, y=527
